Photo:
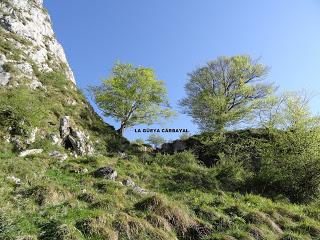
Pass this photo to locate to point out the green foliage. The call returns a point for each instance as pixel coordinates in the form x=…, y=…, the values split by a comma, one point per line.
x=291, y=165
x=156, y=140
x=132, y=95
x=138, y=141
x=20, y=109
x=288, y=111
x=225, y=92
x=231, y=172
x=184, y=136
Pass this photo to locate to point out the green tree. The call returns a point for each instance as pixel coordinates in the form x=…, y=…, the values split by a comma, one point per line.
x=156, y=140
x=184, y=136
x=138, y=141
x=288, y=111
x=225, y=92
x=291, y=165
x=132, y=95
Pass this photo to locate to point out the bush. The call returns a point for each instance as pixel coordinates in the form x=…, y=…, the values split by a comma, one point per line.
x=231, y=172
x=291, y=166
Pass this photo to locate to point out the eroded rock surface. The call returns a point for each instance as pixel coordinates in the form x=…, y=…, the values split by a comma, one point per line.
x=74, y=139
x=26, y=27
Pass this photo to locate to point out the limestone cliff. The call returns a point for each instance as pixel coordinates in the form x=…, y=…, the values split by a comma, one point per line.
x=26, y=27
x=36, y=96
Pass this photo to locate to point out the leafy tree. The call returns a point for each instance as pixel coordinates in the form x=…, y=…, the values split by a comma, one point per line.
x=225, y=92
x=184, y=136
x=156, y=140
x=288, y=111
x=138, y=141
x=132, y=95
x=291, y=165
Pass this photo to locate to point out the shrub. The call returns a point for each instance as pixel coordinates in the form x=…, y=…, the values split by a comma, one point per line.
x=231, y=172
x=291, y=166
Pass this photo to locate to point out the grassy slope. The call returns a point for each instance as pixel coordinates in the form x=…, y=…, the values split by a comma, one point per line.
x=58, y=201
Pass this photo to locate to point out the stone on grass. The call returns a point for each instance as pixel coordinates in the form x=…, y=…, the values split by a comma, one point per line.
x=106, y=172
x=58, y=155
x=30, y=152
x=14, y=180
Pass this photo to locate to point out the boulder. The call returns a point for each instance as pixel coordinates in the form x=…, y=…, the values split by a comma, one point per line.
x=106, y=172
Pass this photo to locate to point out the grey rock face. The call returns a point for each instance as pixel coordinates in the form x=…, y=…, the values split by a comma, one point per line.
x=74, y=139
x=106, y=172
x=28, y=20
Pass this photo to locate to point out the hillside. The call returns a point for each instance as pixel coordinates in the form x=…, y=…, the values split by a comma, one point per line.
x=65, y=174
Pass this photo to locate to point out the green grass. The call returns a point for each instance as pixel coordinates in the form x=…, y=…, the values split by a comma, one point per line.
x=55, y=202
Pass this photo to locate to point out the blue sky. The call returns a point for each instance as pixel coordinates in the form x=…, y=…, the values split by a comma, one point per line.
x=176, y=36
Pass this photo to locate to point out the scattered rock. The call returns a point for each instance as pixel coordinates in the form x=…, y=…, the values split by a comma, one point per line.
x=7, y=138
x=27, y=238
x=140, y=190
x=55, y=140
x=71, y=102
x=59, y=155
x=122, y=155
x=106, y=172
x=32, y=137
x=18, y=144
x=30, y=152
x=14, y=180
x=128, y=183
x=4, y=76
x=35, y=85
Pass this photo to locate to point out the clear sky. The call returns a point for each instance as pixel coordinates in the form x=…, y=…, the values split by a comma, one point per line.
x=176, y=36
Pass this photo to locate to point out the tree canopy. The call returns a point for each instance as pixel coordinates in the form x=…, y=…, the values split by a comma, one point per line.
x=156, y=140
x=132, y=95
x=225, y=92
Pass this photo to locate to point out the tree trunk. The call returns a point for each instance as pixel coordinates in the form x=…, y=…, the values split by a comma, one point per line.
x=121, y=129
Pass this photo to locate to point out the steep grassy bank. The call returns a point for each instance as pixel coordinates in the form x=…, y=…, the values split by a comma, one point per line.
x=62, y=200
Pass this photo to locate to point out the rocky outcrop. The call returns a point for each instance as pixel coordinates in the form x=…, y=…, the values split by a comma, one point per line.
x=175, y=146
x=105, y=172
x=37, y=87
x=74, y=139
x=26, y=30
